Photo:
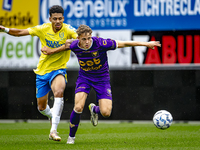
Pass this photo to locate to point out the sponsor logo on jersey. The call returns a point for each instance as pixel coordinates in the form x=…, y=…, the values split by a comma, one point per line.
x=53, y=44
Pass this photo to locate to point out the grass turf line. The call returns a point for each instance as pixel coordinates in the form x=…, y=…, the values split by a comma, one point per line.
x=122, y=136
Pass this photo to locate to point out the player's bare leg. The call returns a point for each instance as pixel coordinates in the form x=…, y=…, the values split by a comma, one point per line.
x=43, y=107
x=105, y=106
x=58, y=86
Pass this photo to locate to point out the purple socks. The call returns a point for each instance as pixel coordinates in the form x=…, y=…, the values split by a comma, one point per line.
x=96, y=109
x=74, y=122
x=75, y=119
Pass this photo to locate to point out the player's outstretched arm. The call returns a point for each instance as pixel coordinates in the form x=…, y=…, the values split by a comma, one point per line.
x=150, y=44
x=14, y=32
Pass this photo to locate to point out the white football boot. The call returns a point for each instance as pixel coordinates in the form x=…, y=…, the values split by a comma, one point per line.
x=54, y=136
x=94, y=116
x=70, y=140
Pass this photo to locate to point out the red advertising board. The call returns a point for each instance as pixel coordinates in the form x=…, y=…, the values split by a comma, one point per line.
x=178, y=47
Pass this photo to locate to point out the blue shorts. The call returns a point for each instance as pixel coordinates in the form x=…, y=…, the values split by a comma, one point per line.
x=102, y=88
x=43, y=82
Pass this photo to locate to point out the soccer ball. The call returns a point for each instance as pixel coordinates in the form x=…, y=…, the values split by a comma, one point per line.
x=162, y=119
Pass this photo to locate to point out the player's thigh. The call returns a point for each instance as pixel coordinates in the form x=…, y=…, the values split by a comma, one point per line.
x=80, y=99
x=42, y=102
x=105, y=106
x=58, y=84
x=58, y=81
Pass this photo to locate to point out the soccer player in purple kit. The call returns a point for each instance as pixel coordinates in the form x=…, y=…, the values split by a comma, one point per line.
x=94, y=73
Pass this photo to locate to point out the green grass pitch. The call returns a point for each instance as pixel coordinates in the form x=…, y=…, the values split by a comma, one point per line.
x=106, y=136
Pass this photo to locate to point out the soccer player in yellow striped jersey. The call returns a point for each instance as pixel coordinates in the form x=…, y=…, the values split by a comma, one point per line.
x=51, y=69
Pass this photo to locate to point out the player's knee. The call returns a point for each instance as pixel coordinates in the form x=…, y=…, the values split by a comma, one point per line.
x=106, y=113
x=78, y=108
x=41, y=107
x=58, y=93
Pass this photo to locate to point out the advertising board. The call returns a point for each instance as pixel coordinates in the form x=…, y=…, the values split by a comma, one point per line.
x=138, y=15
x=19, y=14
x=175, y=23
x=179, y=48
x=24, y=52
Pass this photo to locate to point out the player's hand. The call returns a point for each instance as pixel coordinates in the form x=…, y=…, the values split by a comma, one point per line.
x=2, y=29
x=47, y=51
x=152, y=44
x=68, y=43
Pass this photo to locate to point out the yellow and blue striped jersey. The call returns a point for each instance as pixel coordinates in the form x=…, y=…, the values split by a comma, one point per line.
x=49, y=38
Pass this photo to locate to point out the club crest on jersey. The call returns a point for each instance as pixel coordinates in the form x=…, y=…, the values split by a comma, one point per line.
x=95, y=54
x=61, y=34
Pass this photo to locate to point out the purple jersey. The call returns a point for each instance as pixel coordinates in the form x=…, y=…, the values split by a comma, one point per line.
x=94, y=61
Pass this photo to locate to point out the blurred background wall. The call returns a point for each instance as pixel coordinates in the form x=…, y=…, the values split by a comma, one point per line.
x=143, y=80
x=137, y=94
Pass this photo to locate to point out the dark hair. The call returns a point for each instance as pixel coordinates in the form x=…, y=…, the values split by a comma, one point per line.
x=56, y=9
x=83, y=29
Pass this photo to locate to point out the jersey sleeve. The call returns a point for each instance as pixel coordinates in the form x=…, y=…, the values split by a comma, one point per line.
x=107, y=44
x=72, y=32
x=73, y=45
x=34, y=31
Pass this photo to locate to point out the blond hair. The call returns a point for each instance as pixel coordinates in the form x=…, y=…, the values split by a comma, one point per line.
x=83, y=29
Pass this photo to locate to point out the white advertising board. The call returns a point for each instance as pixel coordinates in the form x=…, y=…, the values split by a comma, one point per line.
x=18, y=52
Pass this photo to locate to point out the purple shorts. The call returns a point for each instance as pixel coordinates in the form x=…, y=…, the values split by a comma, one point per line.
x=102, y=88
